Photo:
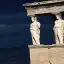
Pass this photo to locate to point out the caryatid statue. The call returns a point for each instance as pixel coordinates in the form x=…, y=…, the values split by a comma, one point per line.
x=35, y=30
x=58, y=29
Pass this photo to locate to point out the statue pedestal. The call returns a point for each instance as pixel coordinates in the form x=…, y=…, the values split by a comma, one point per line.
x=46, y=54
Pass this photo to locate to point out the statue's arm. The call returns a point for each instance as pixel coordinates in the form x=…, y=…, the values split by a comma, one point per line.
x=39, y=24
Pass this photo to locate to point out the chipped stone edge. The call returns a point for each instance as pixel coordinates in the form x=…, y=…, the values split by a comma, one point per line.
x=46, y=46
x=42, y=2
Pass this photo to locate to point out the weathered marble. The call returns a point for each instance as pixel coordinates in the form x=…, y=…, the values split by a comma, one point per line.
x=50, y=6
x=35, y=31
x=58, y=29
x=46, y=54
x=45, y=7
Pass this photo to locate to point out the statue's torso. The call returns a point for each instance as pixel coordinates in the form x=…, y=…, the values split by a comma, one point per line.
x=59, y=25
x=35, y=27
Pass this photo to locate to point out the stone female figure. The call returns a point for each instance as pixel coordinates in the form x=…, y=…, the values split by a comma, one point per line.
x=58, y=29
x=35, y=31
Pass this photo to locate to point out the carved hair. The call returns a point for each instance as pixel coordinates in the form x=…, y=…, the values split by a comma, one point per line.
x=58, y=15
x=35, y=17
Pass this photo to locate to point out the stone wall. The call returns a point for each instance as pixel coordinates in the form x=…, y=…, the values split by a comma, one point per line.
x=51, y=54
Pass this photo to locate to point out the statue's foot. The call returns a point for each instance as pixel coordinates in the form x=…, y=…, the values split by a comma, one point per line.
x=34, y=44
x=61, y=43
x=38, y=44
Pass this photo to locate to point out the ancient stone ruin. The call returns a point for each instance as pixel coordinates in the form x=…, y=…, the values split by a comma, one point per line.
x=46, y=54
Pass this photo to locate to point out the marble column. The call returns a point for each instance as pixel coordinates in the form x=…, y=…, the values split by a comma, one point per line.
x=35, y=30
x=58, y=29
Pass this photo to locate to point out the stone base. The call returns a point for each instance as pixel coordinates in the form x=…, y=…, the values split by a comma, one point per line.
x=46, y=54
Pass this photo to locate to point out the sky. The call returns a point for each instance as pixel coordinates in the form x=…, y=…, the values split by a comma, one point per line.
x=15, y=24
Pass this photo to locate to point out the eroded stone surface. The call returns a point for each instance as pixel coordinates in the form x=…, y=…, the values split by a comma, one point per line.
x=43, y=54
x=51, y=6
x=42, y=2
x=39, y=56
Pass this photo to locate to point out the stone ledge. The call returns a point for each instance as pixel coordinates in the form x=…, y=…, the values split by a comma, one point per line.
x=43, y=2
x=46, y=46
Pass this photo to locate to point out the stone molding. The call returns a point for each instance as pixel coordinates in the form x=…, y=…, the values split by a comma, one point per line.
x=46, y=46
x=43, y=7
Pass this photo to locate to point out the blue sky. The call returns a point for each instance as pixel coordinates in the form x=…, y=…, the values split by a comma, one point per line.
x=14, y=25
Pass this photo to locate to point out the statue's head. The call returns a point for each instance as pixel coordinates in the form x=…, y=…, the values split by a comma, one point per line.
x=34, y=18
x=58, y=16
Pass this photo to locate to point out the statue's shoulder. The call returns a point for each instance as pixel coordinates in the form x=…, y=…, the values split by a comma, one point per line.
x=63, y=21
x=56, y=21
x=31, y=24
x=38, y=22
